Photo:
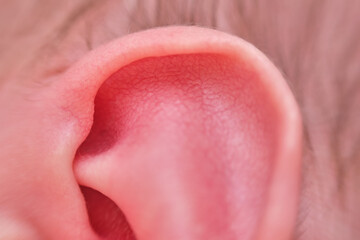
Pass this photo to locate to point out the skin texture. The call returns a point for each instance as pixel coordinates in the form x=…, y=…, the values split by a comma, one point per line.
x=29, y=104
x=175, y=143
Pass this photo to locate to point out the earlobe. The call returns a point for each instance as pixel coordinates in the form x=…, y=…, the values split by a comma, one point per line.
x=192, y=133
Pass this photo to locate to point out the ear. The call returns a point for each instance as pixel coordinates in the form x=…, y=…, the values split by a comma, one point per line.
x=191, y=132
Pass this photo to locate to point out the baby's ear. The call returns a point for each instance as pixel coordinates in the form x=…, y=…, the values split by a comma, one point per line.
x=191, y=132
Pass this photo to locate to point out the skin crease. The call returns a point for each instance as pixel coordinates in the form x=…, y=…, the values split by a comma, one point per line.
x=328, y=208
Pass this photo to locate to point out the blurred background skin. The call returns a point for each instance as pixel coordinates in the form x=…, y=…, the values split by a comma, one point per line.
x=314, y=43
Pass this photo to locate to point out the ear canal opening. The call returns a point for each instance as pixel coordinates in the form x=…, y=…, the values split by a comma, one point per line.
x=106, y=218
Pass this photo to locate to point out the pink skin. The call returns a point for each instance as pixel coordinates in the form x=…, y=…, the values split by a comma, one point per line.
x=191, y=132
x=188, y=143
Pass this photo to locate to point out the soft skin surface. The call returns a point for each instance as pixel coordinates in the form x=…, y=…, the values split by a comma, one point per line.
x=189, y=141
x=193, y=133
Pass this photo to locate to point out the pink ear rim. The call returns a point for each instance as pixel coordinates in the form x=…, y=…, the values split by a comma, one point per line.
x=101, y=63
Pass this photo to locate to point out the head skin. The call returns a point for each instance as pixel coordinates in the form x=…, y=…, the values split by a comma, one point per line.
x=318, y=61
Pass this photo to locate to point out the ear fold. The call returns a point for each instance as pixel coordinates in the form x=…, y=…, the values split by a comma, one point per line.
x=192, y=133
